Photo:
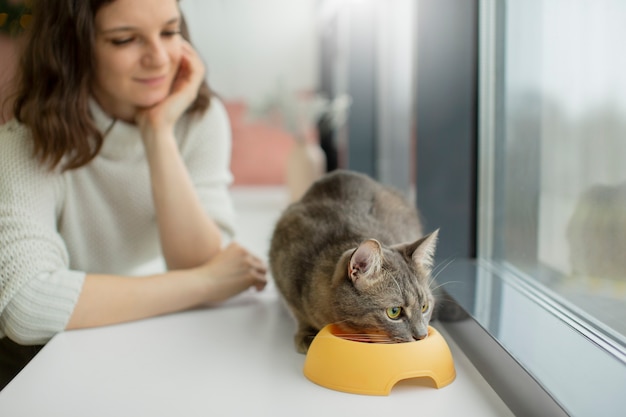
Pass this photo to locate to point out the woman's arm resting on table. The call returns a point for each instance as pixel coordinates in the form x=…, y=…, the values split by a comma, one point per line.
x=110, y=299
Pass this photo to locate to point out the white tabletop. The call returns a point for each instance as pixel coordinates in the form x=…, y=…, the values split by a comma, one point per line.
x=234, y=360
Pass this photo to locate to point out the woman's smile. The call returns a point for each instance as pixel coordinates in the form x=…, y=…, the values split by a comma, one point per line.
x=152, y=81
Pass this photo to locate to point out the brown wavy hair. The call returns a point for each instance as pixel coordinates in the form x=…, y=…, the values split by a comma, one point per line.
x=54, y=82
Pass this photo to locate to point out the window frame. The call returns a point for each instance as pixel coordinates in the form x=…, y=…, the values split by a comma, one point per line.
x=458, y=42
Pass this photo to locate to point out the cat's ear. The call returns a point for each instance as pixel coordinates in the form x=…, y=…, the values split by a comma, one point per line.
x=364, y=264
x=423, y=251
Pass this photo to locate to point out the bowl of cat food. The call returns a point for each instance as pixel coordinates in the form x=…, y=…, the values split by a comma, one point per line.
x=337, y=362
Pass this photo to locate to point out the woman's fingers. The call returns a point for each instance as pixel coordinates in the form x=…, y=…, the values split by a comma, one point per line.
x=257, y=270
x=234, y=270
x=190, y=72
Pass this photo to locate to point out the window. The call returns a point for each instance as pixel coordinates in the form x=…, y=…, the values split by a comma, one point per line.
x=553, y=198
x=560, y=192
x=531, y=199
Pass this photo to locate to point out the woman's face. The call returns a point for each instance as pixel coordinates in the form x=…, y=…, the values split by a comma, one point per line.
x=137, y=52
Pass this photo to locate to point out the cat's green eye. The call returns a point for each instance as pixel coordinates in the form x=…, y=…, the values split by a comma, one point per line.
x=394, y=312
x=425, y=308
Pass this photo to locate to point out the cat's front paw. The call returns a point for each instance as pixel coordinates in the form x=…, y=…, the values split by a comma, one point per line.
x=303, y=341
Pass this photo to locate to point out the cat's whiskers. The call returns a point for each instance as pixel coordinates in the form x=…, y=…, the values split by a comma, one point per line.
x=442, y=266
x=445, y=283
x=434, y=276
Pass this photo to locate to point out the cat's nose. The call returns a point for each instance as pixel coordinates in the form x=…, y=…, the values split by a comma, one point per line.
x=420, y=336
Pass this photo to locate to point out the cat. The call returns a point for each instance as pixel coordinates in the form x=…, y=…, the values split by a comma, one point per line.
x=351, y=252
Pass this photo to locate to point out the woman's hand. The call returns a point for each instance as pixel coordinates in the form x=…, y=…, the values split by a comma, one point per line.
x=232, y=271
x=109, y=299
x=183, y=92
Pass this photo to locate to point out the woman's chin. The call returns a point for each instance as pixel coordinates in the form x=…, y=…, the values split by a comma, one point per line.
x=147, y=104
x=151, y=101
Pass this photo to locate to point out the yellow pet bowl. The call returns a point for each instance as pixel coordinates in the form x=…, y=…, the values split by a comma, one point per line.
x=374, y=368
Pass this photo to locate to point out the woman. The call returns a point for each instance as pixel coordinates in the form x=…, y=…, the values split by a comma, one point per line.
x=117, y=154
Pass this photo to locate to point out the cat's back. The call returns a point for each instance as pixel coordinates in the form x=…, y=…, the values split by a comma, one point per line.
x=321, y=213
x=347, y=188
x=346, y=206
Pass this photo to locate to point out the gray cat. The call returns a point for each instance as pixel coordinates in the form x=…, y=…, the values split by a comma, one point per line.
x=351, y=252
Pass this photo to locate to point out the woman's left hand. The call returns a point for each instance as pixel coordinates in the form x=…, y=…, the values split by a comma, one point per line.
x=183, y=92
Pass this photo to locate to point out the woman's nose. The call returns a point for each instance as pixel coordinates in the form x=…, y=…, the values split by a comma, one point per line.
x=155, y=54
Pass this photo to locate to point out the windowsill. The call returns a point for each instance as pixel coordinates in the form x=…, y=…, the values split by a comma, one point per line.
x=519, y=390
x=520, y=336
x=259, y=207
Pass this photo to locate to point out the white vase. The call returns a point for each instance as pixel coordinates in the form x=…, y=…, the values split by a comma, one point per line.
x=306, y=163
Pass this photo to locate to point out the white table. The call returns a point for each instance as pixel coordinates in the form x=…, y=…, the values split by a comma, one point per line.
x=234, y=360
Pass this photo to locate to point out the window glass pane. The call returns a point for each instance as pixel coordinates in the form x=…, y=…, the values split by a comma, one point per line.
x=560, y=170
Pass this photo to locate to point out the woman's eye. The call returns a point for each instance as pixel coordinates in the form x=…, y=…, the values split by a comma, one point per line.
x=425, y=308
x=123, y=41
x=170, y=33
x=394, y=312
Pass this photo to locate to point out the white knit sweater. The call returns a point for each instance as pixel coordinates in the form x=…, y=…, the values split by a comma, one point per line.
x=56, y=227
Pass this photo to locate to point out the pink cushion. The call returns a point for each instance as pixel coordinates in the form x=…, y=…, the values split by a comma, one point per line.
x=260, y=150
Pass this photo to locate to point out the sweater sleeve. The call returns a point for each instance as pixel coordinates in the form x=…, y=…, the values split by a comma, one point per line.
x=38, y=292
x=206, y=149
